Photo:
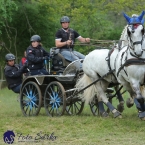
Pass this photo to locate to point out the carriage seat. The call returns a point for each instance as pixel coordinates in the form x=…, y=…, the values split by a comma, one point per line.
x=58, y=61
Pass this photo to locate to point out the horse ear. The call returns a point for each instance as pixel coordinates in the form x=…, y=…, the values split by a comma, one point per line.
x=127, y=17
x=140, y=17
x=142, y=21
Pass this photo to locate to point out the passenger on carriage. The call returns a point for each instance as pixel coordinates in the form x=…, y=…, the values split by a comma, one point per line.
x=23, y=59
x=65, y=38
x=13, y=73
x=36, y=55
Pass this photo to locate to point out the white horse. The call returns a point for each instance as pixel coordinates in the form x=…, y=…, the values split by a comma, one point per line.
x=132, y=72
x=95, y=66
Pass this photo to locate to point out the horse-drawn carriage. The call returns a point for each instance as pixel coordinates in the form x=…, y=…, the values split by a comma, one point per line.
x=56, y=92
x=62, y=90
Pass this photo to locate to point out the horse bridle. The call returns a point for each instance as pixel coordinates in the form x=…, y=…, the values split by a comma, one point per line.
x=137, y=42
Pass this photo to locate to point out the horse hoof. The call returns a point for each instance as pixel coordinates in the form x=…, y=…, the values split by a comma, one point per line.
x=117, y=114
x=141, y=115
x=120, y=116
x=129, y=102
x=120, y=106
x=104, y=114
x=143, y=118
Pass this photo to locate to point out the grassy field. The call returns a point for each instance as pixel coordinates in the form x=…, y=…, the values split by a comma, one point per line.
x=84, y=129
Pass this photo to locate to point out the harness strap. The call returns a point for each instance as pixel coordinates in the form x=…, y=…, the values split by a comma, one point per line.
x=132, y=61
x=110, y=72
x=137, y=42
x=133, y=55
x=108, y=61
x=108, y=58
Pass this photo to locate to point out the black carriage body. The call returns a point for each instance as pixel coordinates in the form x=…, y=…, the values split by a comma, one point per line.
x=51, y=92
x=67, y=81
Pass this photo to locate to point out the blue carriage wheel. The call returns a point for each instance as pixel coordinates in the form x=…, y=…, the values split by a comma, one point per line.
x=30, y=99
x=55, y=99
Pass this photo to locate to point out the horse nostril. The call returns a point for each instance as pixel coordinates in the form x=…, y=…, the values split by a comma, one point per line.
x=132, y=31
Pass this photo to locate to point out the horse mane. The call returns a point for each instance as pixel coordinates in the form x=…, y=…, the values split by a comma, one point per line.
x=124, y=33
x=124, y=37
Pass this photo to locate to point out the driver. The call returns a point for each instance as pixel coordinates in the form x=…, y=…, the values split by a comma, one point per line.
x=65, y=38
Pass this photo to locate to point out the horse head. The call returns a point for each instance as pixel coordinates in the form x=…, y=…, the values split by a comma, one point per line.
x=135, y=32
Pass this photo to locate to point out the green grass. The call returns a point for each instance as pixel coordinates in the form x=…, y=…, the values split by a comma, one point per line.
x=84, y=129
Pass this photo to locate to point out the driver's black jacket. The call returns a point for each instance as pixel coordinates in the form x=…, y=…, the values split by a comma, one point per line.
x=13, y=75
x=35, y=57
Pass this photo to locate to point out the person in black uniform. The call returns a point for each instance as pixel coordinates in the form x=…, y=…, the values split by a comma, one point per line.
x=65, y=38
x=36, y=55
x=13, y=73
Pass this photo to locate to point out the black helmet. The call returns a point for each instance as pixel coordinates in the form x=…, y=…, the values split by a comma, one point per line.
x=64, y=19
x=9, y=56
x=35, y=38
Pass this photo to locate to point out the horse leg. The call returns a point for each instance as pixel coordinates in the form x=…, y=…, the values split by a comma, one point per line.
x=126, y=85
x=135, y=101
x=100, y=104
x=120, y=106
x=130, y=101
x=139, y=101
x=136, y=88
x=102, y=111
x=138, y=106
x=101, y=87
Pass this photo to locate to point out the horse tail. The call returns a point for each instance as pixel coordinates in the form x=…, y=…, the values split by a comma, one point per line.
x=89, y=93
x=142, y=89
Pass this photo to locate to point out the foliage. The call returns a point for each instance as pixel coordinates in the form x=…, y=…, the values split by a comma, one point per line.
x=97, y=19
x=7, y=7
x=119, y=6
x=26, y=22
